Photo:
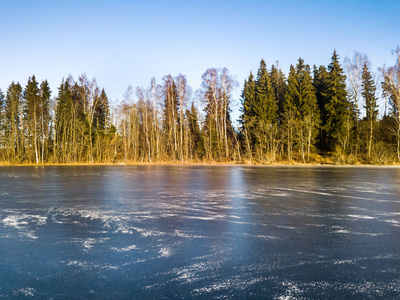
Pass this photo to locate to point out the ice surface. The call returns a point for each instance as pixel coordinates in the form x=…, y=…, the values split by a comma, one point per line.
x=210, y=232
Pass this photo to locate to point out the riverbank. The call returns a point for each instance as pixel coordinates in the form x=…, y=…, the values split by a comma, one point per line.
x=174, y=163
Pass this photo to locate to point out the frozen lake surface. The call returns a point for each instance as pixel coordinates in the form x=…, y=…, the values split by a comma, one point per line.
x=101, y=232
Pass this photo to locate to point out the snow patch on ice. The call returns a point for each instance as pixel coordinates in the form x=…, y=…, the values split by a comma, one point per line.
x=179, y=233
x=165, y=252
x=228, y=284
x=89, y=243
x=344, y=261
x=27, y=292
x=341, y=231
x=285, y=227
x=90, y=266
x=148, y=232
x=17, y=221
x=282, y=194
x=392, y=221
x=21, y=223
x=210, y=218
x=344, y=231
x=362, y=217
x=306, y=191
x=292, y=291
x=125, y=249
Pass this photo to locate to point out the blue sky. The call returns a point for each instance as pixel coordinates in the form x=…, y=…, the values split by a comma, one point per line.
x=125, y=43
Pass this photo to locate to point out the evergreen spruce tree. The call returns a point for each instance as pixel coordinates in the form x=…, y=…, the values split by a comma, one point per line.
x=371, y=107
x=290, y=112
x=45, y=118
x=265, y=106
x=210, y=128
x=32, y=100
x=265, y=113
x=248, y=117
x=64, y=124
x=2, y=122
x=100, y=124
x=13, y=117
x=102, y=113
x=302, y=109
x=170, y=116
x=278, y=83
x=338, y=114
x=320, y=82
x=248, y=102
x=196, y=147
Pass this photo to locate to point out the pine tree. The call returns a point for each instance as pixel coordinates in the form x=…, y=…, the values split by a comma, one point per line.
x=368, y=91
x=338, y=115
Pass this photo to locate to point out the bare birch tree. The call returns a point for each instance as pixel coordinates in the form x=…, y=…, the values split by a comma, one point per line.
x=391, y=88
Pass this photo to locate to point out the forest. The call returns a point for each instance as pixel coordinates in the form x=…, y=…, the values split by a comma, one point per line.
x=318, y=114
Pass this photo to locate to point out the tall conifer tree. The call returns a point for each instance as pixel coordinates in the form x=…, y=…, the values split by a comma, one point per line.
x=248, y=117
x=265, y=105
x=302, y=102
x=2, y=120
x=248, y=101
x=171, y=116
x=368, y=91
x=45, y=118
x=102, y=113
x=320, y=82
x=337, y=106
x=194, y=131
x=13, y=116
x=32, y=102
x=266, y=113
x=278, y=83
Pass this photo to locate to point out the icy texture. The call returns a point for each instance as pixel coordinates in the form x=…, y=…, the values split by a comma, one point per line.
x=199, y=231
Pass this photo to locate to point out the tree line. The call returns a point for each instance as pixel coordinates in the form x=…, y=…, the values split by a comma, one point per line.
x=311, y=115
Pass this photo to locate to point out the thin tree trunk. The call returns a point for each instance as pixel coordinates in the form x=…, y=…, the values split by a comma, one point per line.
x=370, y=140
x=35, y=136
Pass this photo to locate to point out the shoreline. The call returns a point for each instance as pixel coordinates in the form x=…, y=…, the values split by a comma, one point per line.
x=296, y=164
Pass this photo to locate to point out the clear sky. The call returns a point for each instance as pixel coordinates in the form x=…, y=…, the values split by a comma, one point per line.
x=125, y=43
